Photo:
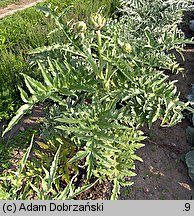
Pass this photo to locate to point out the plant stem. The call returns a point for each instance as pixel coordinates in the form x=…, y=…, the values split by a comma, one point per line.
x=99, y=40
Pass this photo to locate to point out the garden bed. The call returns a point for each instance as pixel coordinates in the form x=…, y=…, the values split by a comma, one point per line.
x=163, y=173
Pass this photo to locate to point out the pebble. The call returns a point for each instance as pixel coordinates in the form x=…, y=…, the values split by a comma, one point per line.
x=146, y=190
x=22, y=129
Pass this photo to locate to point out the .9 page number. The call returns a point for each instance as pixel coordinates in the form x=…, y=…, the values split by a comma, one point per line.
x=187, y=207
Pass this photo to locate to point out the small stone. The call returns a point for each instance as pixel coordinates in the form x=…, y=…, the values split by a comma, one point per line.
x=22, y=129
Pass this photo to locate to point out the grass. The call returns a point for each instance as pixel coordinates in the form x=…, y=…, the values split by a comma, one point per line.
x=26, y=30
x=4, y=3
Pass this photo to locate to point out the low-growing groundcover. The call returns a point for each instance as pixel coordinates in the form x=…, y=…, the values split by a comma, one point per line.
x=104, y=82
x=4, y=3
